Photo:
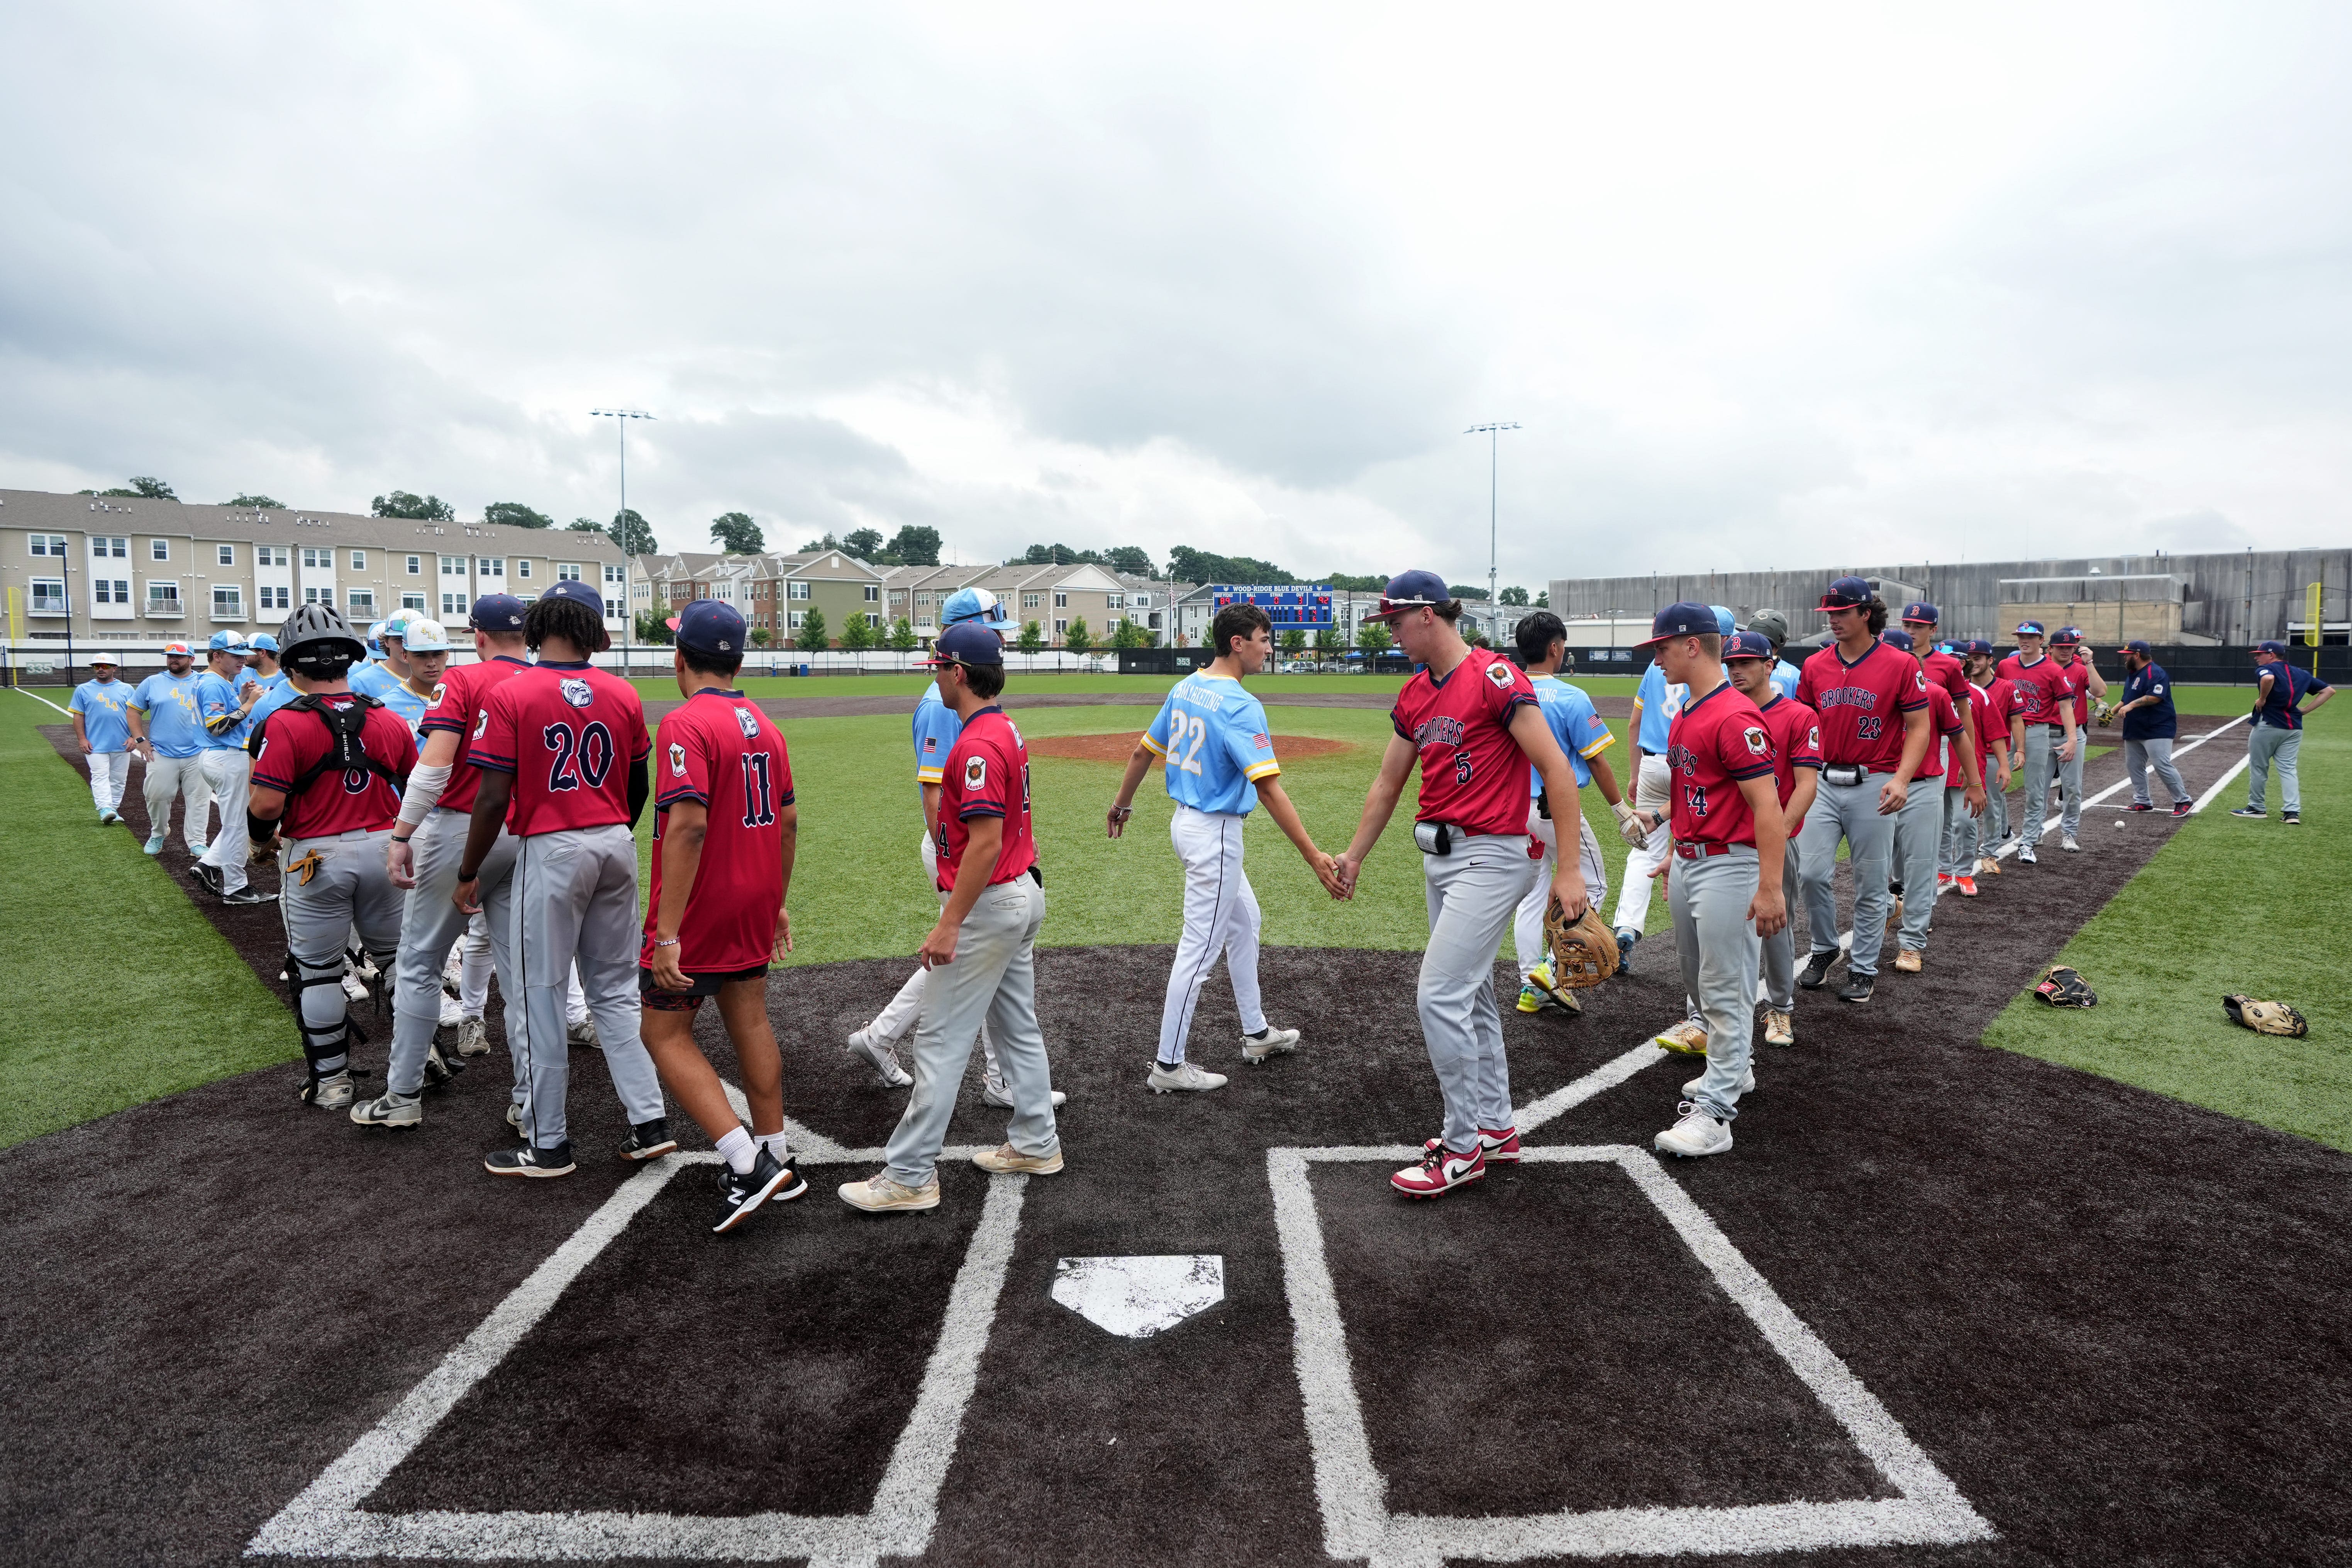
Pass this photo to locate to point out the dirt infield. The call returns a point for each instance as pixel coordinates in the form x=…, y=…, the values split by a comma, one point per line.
x=1119, y=748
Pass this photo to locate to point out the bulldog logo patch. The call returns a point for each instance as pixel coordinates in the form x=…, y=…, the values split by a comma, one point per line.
x=748, y=722
x=576, y=691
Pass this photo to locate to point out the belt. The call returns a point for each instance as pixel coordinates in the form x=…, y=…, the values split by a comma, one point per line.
x=1700, y=851
x=327, y=837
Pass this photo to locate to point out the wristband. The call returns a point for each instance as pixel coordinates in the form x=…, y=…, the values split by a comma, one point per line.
x=671, y=943
x=1121, y=813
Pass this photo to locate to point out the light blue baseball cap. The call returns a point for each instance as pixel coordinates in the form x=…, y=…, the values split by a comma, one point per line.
x=974, y=605
x=262, y=643
x=1724, y=625
x=226, y=640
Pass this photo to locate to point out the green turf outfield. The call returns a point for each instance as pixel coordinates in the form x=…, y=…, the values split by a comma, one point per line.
x=1270, y=687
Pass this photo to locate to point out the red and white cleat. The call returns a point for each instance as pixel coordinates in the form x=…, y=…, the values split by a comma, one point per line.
x=1500, y=1147
x=1965, y=886
x=1440, y=1172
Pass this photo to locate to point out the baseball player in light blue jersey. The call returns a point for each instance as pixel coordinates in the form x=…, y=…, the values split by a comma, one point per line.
x=1218, y=752
x=1655, y=702
x=1775, y=627
x=1583, y=735
x=226, y=695
x=102, y=720
x=426, y=646
x=167, y=735
x=936, y=730
x=373, y=677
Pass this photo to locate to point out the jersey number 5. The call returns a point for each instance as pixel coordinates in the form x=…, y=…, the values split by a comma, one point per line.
x=594, y=748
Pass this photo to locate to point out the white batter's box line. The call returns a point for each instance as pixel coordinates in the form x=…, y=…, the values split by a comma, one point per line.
x=327, y=1521
x=1567, y=1097
x=1357, y=1524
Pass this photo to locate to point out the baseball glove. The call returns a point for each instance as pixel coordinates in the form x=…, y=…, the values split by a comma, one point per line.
x=2064, y=987
x=2104, y=712
x=1583, y=950
x=2265, y=1017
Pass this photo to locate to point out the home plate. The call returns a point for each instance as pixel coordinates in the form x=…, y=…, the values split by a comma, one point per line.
x=1136, y=1297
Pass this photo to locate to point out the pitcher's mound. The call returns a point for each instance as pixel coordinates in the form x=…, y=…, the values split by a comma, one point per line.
x=1118, y=748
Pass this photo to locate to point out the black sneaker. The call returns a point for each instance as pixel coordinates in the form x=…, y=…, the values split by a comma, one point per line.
x=2249, y=811
x=1816, y=972
x=2292, y=818
x=249, y=894
x=438, y=1069
x=522, y=1160
x=1856, y=988
x=1625, y=941
x=648, y=1141
x=207, y=875
x=2141, y=805
x=741, y=1197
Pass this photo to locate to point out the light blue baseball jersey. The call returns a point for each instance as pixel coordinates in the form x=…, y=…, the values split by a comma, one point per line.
x=1785, y=675
x=1656, y=703
x=217, y=697
x=104, y=707
x=1215, y=739
x=1580, y=732
x=170, y=704
x=936, y=729
x=276, y=693
x=410, y=707
x=370, y=679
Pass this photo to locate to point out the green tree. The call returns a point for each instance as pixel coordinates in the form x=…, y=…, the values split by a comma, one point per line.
x=856, y=635
x=1131, y=559
x=761, y=636
x=514, y=514
x=260, y=503
x=810, y=635
x=865, y=544
x=405, y=503
x=1078, y=640
x=148, y=487
x=652, y=629
x=1032, y=638
x=1353, y=584
x=1186, y=564
x=917, y=546
x=735, y=533
x=1465, y=591
x=1130, y=634
x=585, y=525
x=632, y=532
x=1294, y=643
x=1373, y=637
x=902, y=634
x=827, y=542
x=1543, y=600
x=1515, y=597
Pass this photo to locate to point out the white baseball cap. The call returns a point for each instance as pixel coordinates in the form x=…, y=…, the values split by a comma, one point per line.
x=421, y=636
x=98, y=658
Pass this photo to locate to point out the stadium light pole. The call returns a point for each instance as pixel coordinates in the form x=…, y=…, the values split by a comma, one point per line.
x=1493, y=434
x=620, y=418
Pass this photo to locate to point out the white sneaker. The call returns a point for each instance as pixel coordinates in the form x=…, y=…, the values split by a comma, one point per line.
x=473, y=1037
x=452, y=1010
x=1779, y=1028
x=1182, y=1076
x=334, y=1092
x=1256, y=1048
x=1747, y=1084
x=2067, y=843
x=354, y=987
x=992, y=1092
x=584, y=1033
x=1696, y=1134
x=882, y=1055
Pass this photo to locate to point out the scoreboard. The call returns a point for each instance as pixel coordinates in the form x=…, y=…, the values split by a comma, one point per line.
x=1292, y=605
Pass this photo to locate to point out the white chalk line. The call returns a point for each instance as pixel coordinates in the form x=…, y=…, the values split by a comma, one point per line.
x=1353, y=1496
x=43, y=701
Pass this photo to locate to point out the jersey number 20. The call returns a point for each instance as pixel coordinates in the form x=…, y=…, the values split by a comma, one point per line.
x=593, y=747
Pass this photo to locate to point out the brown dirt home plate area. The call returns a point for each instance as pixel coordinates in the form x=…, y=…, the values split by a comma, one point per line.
x=1941, y=1305
x=1119, y=748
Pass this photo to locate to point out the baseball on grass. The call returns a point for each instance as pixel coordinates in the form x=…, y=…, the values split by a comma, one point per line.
x=2121, y=823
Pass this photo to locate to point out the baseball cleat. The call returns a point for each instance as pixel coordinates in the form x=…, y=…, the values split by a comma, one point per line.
x=108, y=819
x=2292, y=818
x=391, y=1110
x=1908, y=961
x=1008, y=1161
x=514, y=1118
x=2066, y=842
x=1895, y=915
x=993, y=1091
x=1268, y=1042
x=2141, y=805
x=1779, y=1028
x=354, y=987
x=197, y=849
x=249, y=894
x=1626, y=938
x=1816, y=972
x=525, y=1161
x=1181, y=1077
x=473, y=1037
x=1696, y=1135
x=1440, y=1172
x=207, y=875
x=155, y=842
x=1543, y=980
x=1944, y=879
x=2025, y=856
x=1965, y=886
x=437, y=1070
x=2256, y=812
x=742, y=1196
x=882, y=1055
x=879, y=1194
x=1988, y=866
x=2181, y=807
x=452, y=1012
x=1747, y=1084
x=582, y=1032
x=1856, y=988
x=1499, y=1144
x=648, y=1141
x=334, y=1092
x=1687, y=1039
x=1531, y=1000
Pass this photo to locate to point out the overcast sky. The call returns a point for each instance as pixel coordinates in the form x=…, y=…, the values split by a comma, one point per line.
x=1762, y=287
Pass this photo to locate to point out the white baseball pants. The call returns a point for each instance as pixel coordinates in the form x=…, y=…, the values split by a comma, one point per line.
x=1528, y=924
x=904, y=1011
x=109, y=772
x=230, y=775
x=1472, y=894
x=1652, y=793
x=1221, y=920
x=185, y=777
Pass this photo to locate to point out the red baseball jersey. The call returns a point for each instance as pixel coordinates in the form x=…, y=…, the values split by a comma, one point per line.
x=2078, y=676
x=1945, y=671
x=568, y=733
x=1998, y=702
x=293, y=740
x=1862, y=704
x=1945, y=728
x=464, y=688
x=2042, y=686
x=1472, y=773
x=1716, y=740
x=987, y=775
x=1795, y=732
x=720, y=752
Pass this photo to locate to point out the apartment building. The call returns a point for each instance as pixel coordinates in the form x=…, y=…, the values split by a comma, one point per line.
x=775, y=592
x=124, y=571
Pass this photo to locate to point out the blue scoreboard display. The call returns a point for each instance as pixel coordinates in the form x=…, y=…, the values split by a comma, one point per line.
x=1295, y=605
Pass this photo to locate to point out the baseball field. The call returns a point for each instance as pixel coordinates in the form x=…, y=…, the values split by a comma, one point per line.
x=1983, y=1282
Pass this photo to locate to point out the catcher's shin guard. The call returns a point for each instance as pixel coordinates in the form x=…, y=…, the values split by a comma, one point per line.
x=320, y=1013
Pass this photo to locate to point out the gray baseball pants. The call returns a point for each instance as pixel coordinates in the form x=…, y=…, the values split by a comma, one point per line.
x=430, y=922
x=2270, y=747
x=900, y=1014
x=1472, y=895
x=229, y=772
x=1848, y=812
x=1779, y=952
x=573, y=899
x=2070, y=782
x=349, y=890
x=1719, y=951
x=1960, y=833
x=2155, y=752
x=1992, y=827
x=2042, y=744
x=1918, y=843
x=994, y=978
x=1527, y=921
x=1651, y=793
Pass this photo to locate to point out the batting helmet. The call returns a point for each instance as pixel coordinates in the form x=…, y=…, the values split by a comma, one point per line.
x=317, y=643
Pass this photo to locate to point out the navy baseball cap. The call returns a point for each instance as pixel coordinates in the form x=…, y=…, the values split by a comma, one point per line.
x=2140, y=647
x=498, y=612
x=968, y=642
x=2029, y=628
x=1682, y=620
x=1410, y=590
x=2067, y=637
x=1896, y=639
x=1921, y=611
x=1847, y=594
x=2277, y=649
x=1979, y=645
x=709, y=626
x=574, y=589
x=1747, y=645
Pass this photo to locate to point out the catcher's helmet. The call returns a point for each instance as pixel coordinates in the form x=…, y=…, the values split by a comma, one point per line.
x=316, y=642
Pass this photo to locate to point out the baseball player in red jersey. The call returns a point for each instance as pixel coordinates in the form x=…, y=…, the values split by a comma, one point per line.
x=1471, y=719
x=422, y=854
x=1944, y=669
x=1750, y=661
x=1723, y=881
x=327, y=771
x=2046, y=695
x=982, y=953
x=560, y=749
x=724, y=830
x=1872, y=703
x=2001, y=741
x=1919, y=826
x=2066, y=652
